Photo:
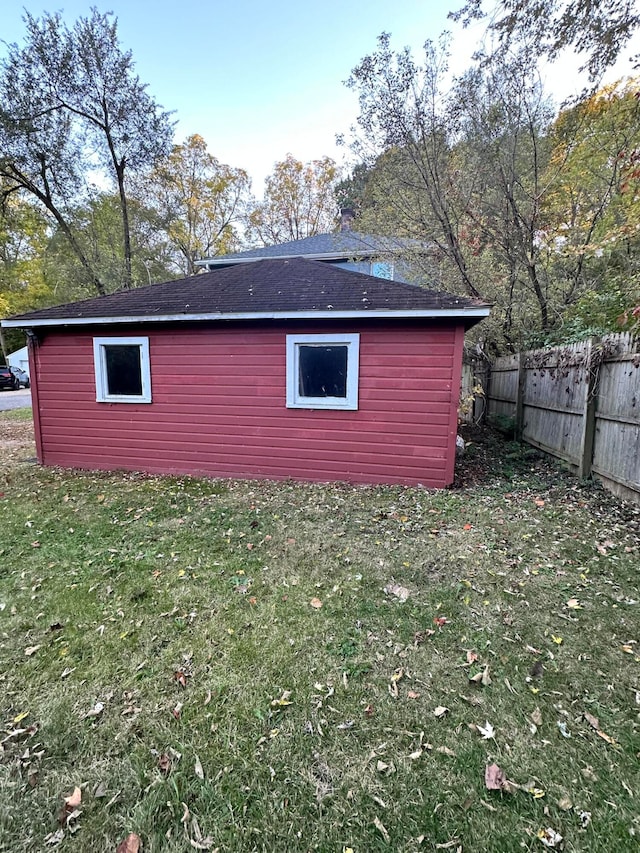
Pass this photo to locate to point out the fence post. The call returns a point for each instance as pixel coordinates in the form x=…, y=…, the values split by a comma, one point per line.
x=520, y=396
x=589, y=412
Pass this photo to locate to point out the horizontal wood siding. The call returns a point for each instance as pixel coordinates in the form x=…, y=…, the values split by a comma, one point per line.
x=219, y=408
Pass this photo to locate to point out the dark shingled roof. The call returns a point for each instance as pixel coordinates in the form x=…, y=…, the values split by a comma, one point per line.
x=289, y=287
x=343, y=244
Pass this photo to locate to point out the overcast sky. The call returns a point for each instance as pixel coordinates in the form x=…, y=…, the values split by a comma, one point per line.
x=258, y=79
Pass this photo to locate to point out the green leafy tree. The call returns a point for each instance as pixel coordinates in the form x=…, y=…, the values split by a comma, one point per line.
x=299, y=201
x=99, y=222
x=597, y=30
x=72, y=111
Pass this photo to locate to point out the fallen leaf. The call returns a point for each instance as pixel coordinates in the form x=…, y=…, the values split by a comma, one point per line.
x=31, y=650
x=536, y=793
x=73, y=800
x=565, y=803
x=564, y=731
x=381, y=829
x=467, y=526
x=97, y=709
x=164, y=763
x=198, y=769
x=549, y=837
x=400, y=592
x=574, y=604
x=70, y=808
x=557, y=640
x=448, y=844
x=472, y=657
x=495, y=778
x=444, y=750
x=411, y=694
x=100, y=791
x=593, y=721
x=440, y=711
x=283, y=701
x=316, y=603
x=483, y=677
x=536, y=717
x=440, y=621
x=131, y=844
x=585, y=819
x=539, y=502
x=606, y=737
x=369, y=711
x=487, y=731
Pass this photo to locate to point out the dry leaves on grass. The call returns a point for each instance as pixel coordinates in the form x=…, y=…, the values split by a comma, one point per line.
x=398, y=591
x=131, y=844
x=495, y=779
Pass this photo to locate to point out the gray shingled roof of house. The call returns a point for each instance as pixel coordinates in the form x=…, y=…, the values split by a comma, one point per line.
x=264, y=289
x=343, y=244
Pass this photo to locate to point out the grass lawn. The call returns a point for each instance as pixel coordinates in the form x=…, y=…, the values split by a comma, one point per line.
x=240, y=666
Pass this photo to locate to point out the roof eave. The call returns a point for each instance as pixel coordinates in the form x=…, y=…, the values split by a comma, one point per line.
x=317, y=256
x=472, y=313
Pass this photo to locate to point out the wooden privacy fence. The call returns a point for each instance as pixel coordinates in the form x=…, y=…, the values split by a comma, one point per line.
x=580, y=403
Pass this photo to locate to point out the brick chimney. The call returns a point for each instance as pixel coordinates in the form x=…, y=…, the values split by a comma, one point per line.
x=347, y=215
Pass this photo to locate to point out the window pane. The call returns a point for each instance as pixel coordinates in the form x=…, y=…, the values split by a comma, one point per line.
x=124, y=375
x=322, y=371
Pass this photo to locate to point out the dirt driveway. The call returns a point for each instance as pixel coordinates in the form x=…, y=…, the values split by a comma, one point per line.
x=16, y=440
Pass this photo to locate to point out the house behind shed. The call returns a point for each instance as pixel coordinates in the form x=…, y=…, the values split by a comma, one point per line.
x=274, y=369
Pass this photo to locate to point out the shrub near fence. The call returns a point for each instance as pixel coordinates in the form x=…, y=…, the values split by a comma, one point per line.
x=580, y=403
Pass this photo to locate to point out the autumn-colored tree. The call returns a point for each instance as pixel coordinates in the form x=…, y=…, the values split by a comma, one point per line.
x=23, y=239
x=592, y=205
x=199, y=203
x=298, y=202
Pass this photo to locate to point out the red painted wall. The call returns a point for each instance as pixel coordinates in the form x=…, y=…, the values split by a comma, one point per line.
x=219, y=409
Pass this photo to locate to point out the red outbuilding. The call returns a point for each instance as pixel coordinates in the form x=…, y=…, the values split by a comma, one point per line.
x=274, y=369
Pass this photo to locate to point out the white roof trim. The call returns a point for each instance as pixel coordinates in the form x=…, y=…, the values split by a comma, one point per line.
x=432, y=313
x=318, y=256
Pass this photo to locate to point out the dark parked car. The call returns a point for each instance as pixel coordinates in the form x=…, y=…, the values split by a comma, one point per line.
x=21, y=376
x=8, y=381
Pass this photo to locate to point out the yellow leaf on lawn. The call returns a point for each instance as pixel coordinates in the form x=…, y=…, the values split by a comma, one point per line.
x=316, y=603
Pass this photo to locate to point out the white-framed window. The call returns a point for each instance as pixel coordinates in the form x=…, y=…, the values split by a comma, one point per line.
x=382, y=269
x=322, y=371
x=123, y=372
